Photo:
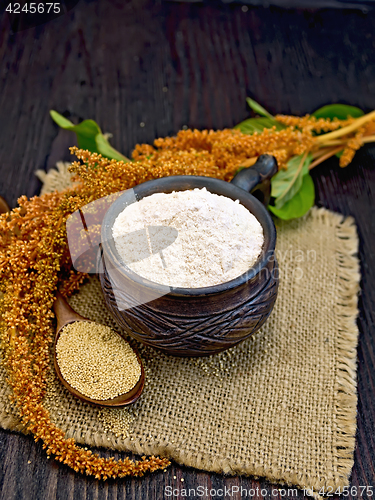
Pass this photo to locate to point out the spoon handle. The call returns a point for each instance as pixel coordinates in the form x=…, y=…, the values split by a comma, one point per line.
x=64, y=313
x=257, y=179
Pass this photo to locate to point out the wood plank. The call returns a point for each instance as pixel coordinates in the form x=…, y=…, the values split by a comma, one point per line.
x=168, y=65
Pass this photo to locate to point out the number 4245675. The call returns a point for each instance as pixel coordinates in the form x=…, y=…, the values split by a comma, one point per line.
x=34, y=8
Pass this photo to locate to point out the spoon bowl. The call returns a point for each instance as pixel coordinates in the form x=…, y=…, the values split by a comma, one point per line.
x=66, y=315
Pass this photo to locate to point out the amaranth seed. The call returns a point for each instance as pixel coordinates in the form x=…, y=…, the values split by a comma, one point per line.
x=96, y=361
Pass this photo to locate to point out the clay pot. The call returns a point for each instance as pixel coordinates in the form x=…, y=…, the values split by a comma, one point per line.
x=194, y=321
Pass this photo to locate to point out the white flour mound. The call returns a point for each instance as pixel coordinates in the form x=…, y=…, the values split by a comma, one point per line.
x=217, y=238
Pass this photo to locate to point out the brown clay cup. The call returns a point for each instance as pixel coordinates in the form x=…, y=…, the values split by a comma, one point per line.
x=195, y=321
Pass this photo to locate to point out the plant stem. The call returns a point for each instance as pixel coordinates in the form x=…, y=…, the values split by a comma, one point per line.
x=249, y=162
x=369, y=138
x=348, y=129
x=335, y=142
x=325, y=156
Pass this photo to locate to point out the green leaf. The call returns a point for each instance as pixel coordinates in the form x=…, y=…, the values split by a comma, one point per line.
x=340, y=111
x=286, y=183
x=257, y=108
x=252, y=125
x=60, y=120
x=89, y=136
x=301, y=202
x=86, y=132
x=107, y=150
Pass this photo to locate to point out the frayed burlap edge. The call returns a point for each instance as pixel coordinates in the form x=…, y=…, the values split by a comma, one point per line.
x=346, y=314
x=346, y=247
x=56, y=179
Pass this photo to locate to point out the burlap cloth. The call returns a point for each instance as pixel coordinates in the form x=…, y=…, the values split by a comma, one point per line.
x=281, y=405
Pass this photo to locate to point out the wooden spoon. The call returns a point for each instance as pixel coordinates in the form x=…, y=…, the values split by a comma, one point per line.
x=65, y=315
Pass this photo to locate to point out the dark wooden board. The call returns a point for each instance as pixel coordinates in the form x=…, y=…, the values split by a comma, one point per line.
x=167, y=65
x=298, y=4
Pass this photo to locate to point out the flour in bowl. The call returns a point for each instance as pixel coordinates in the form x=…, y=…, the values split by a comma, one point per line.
x=188, y=239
